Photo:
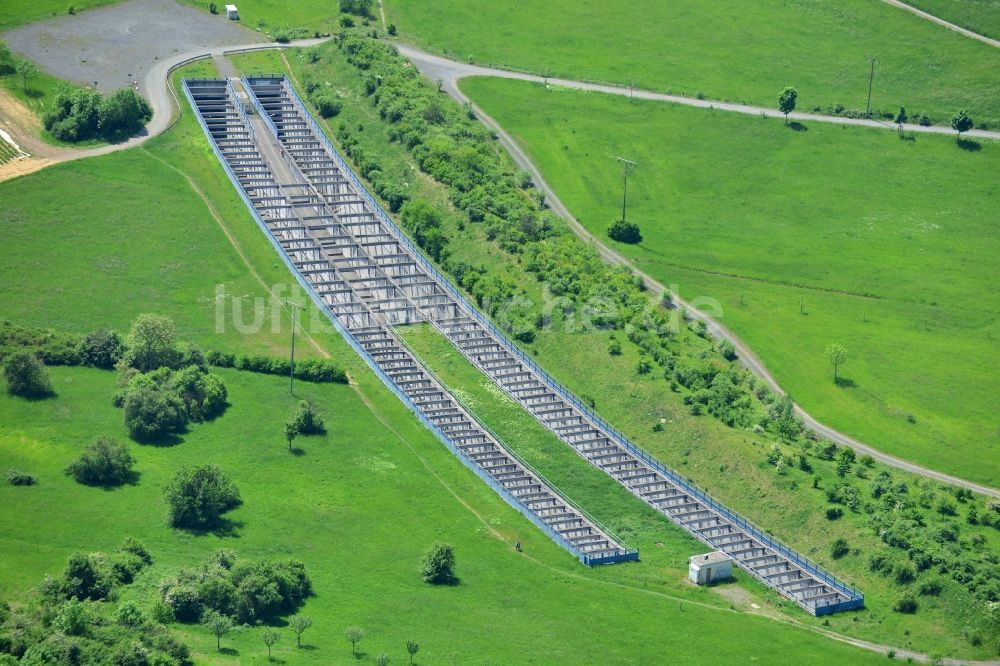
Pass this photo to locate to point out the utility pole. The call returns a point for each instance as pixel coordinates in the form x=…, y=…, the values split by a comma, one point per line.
x=871, y=79
x=291, y=365
x=627, y=166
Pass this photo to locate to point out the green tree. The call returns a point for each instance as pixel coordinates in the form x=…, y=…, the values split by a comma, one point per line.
x=354, y=636
x=105, y=462
x=412, y=648
x=128, y=614
x=197, y=497
x=291, y=432
x=72, y=618
x=151, y=343
x=901, y=119
x=359, y=7
x=836, y=355
x=439, y=564
x=786, y=101
x=26, y=376
x=26, y=70
x=102, y=348
x=270, y=637
x=961, y=122
x=218, y=624
x=122, y=113
x=153, y=412
x=839, y=549
x=625, y=232
x=299, y=623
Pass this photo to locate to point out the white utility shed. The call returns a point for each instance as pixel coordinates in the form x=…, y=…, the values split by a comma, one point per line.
x=231, y=13
x=710, y=567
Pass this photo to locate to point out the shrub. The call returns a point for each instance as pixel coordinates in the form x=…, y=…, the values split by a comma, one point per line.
x=905, y=574
x=101, y=348
x=19, y=478
x=250, y=591
x=624, y=232
x=359, y=7
x=153, y=412
x=104, y=463
x=204, y=395
x=26, y=376
x=728, y=350
x=306, y=420
x=930, y=588
x=128, y=614
x=197, y=497
x=327, y=103
x=392, y=29
x=438, y=567
x=839, y=549
x=906, y=604
x=833, y=512
x=72, y=618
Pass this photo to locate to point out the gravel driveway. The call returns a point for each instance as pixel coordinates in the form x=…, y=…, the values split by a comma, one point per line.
x=118, y=44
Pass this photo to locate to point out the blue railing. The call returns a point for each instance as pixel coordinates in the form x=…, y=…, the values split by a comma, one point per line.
x=373, y=364
x=612, y=432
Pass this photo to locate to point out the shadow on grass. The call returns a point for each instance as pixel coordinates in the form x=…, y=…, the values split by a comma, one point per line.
x=912, y=138
x=845, y=382
x=223, y=528
x=969, y=145
x=33, y=93
x=35, y=396
x=131, y=480
x=796, y=126
x=296, y=451
x=232, y=652
x=165, y=440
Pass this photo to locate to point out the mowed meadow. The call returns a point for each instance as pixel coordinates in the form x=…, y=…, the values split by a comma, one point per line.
x=805, y=235
x=733, y=51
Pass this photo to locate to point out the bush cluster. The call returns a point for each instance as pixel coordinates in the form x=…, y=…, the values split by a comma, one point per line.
x=310, y=370
x=197, y=497
x=164, y=401
x=59, y=628
x=26, y=376
x=105, y=462
x=78, y=115
x=96, y=575
x=249, y=591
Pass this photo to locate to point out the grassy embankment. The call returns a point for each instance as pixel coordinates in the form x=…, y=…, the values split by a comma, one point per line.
x=805, y=238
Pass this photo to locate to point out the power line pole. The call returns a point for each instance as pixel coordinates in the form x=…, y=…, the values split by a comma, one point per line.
x=871, y=79
x=627, y=166
x=291, y=363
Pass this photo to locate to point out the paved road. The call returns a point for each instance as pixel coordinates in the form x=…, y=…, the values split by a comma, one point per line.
x=450, y=72
x=940, y=21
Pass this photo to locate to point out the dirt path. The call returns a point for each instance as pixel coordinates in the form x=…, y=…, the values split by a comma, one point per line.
x=450, y=72
x=940, y=21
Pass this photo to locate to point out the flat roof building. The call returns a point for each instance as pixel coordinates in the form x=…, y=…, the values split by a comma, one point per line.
x=231, y=13
x=710, y=567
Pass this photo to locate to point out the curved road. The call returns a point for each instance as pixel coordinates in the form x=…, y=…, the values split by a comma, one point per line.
x=156, y=86
x=940, y=21
x=449, y=73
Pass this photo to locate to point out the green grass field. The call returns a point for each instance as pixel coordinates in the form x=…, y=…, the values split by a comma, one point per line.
x=267, y=15
x=19, y=12
x=359, y=507
x=743, y=52
x=886, y=245
x=982, y=16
